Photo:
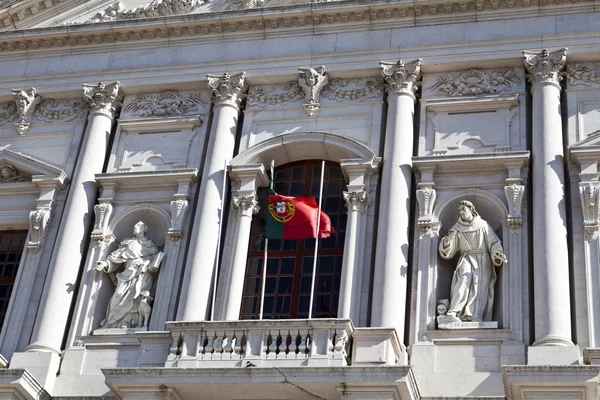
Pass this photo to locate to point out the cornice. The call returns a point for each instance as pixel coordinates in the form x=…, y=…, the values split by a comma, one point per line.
x=343, y=13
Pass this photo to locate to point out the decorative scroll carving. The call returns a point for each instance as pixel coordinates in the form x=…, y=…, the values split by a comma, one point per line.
x=50, y=110
x=475, y=81
x=25, y=100
x=366, y=89
x=157, y=8
x=103, y=99
x=514, y=196
x=312, y=81
x=545, y=66
x=227, y=89
x=245, y=205
x=426, y=195
x=582, y=75
x=259, y=96
x=588, y=193
x=178, y=208
x=164, y=103
x=9, y=174
x=38, y=223
x=8, y=112
x=401, y=77
x=242, y=4
x=357, y=201
x=102, y=212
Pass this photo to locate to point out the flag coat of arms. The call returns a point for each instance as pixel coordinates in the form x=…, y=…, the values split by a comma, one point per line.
x=292, y=218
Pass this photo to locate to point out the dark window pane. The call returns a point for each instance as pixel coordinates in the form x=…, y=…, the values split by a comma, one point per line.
x=299, y=173
x=326, y=264
x=285, y=285
x=11, y=243
x=287, y=266
x=296, y=189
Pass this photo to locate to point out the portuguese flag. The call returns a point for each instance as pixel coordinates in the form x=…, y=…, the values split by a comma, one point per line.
x=292, y=218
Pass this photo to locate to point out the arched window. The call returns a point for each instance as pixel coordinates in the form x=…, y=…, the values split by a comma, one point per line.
x=290, y=262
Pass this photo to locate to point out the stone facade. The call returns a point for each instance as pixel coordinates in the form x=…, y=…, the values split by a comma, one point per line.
x=170, y=112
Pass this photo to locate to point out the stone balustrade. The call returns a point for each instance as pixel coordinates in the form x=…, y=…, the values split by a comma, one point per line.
x=252, y=343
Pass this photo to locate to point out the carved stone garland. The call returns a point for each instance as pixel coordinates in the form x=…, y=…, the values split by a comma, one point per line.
x=578, y=75
x=227, y=89
x=163, y=104
x=475, y=82
x=103, y=99
x=312, y=81
x=545, y=66
x=157, y=8
x=588, y=193
x=371, y=88
x=273, y=95
x=50, y=110
x=426, y=195
x=401, y=77
x=514, y=191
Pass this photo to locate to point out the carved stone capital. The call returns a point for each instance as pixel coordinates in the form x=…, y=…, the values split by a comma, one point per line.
x=25, y=100
x=401, y=77
x=513, y=191
x=312, y=81
x=426, y=195
x=227, y=89
x=178, y=208
x=588, y=193
x=357, y=201
x=245, y=205
x=39, y=220
x=545, y=66
x=103, y=99
x=102, y=212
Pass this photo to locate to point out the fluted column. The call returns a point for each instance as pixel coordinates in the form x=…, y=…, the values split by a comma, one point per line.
x=391, y=260
x=550, y=250
x=103, y=101
x=196, y=292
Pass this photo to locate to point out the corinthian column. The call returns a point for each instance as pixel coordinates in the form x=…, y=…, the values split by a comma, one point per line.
x=550, y=251
x=391, y=260
x=53, y=312
x=195, y=297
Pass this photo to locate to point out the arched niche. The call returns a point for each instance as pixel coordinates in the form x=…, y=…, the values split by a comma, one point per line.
x=298, y=146
x=493, y=210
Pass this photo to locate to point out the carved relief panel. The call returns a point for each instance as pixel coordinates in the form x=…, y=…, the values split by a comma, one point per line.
x=476, y=111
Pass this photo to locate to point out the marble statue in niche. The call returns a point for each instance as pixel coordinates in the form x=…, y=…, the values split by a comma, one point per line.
x=133, y=268
x=8, y=174
x=472, y=290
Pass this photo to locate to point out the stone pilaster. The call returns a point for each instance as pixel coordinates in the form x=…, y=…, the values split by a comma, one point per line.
x=550, y=250
x=228, y=92
x=391, y=261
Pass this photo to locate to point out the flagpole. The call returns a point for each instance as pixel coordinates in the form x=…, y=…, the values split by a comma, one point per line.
x=216, y=266
x=314, y=271
x=265, y=255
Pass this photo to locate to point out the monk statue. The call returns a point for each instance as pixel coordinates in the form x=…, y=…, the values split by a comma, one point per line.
x=133, y=268
x=472, y=292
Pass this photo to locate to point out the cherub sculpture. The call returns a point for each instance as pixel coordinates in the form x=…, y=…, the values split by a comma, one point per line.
x=312, y=81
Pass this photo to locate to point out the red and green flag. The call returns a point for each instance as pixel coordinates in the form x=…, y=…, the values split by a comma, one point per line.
x=292, y=218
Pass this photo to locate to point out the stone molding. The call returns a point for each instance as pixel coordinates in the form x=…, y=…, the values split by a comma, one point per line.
x=178, y=209
x=245, y=205
x=426, y=195
x=588, y=194
x=545, y=67
x=514, y=191
x=359, y=200
x=379, y=12
x=475, y=82
x=401, y=77
x=103, y=99
x=312, y=81
x=156, y=8
x=227, y=89
x=164, y=104
x=583, y=75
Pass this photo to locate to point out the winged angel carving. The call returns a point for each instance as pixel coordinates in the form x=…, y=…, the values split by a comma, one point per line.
x=312, y=81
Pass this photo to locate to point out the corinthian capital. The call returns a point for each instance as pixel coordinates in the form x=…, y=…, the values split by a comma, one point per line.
x=103, y=99
x=401, y=77
x=245, y=205
x=228, y=89
x=357, y=201
x=545, y=66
